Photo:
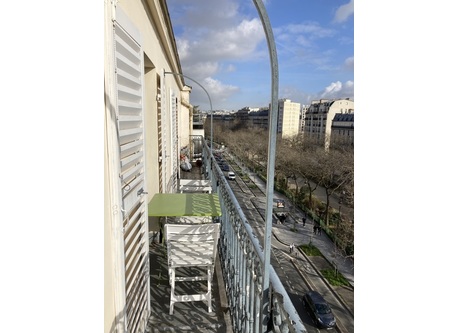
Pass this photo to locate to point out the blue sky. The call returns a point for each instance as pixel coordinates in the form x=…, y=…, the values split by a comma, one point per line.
x=222, y=45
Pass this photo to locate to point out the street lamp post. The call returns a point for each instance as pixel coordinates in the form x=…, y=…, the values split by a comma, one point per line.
x=273, y=116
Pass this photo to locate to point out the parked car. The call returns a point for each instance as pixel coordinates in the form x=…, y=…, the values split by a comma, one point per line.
x=280, y=203
x=231, y=175
x=319, y=309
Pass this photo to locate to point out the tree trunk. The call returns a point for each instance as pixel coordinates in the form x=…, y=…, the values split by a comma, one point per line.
x=326, y=211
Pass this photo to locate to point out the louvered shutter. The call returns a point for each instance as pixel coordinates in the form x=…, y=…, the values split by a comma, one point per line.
x=163, y=134
x=129, y=83
x=174, y=141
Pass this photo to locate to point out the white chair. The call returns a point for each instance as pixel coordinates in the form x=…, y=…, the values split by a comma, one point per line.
x=191, y=245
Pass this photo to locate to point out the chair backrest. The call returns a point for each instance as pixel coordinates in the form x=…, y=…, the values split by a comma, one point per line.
x=191, y=244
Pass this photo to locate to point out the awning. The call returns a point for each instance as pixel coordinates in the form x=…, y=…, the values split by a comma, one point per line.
x=184, y=204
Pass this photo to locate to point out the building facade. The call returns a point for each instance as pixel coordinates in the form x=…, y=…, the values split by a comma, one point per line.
x=319, y=117
x=147, y=123
x=342, y=129
x=259, y=119
x=288, y=118
x=302, y=118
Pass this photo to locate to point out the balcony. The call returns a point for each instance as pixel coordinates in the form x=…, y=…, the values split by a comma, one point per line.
x=237, y=297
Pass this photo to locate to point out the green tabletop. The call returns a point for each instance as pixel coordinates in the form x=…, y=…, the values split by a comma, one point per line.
x=184, y=204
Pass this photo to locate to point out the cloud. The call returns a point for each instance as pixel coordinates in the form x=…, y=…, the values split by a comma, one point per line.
x=218, y=91
x=201, y=69
x=338, y=90
x=239, y=42
x=344, y=12
x=335, y=90
x=312, y=29
x=199, y=16
x=230, y=68
x=349, y=63
x=214, y=42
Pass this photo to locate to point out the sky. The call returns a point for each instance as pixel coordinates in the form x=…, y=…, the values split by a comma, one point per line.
x=222, y=45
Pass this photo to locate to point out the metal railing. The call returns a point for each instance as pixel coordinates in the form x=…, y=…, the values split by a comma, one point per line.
x=241, y=257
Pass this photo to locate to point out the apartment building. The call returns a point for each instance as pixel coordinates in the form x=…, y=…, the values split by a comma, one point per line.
x=288, y=118
x=302, y=118
x=342, y=129
x=319, y=117
x=260, y=119
x=147, y=122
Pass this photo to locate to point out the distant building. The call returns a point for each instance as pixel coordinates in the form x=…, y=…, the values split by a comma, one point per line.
x=342, y=129
x=259, y=119
x=242, y=115
x=225, y=120
x=198, y=121
x=288, y=118
x=302, y=118
x=287, y=122
x=319, y=117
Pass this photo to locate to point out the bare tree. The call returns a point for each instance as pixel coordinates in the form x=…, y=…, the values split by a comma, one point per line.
x=343, y=234
x=306, y=166
x=336, y=171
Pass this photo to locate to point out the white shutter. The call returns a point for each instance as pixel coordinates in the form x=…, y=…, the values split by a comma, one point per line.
x=165, y=156
x=129, y=83
x=174, y=141
x=159, y=131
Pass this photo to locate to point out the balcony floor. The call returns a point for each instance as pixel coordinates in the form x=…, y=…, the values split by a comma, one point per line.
x=187, y=316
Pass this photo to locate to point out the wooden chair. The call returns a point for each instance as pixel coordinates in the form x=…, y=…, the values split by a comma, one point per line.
x=191, y=245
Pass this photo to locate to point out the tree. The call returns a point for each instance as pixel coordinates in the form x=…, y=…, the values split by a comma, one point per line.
x=336, y=171
x=301, y=163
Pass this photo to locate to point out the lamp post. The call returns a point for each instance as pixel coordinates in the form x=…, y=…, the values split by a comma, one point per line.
x=211, y=111
x=273, y=115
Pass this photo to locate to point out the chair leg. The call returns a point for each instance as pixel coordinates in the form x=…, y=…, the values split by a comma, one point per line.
x=209, y=284
x=172, y=291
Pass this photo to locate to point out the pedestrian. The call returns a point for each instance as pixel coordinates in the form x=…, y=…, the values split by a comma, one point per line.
x=319, y=230
x=303, y=221
x=290, y=248
x=314, y=229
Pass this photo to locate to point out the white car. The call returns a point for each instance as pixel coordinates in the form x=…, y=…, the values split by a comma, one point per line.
x=231, y=175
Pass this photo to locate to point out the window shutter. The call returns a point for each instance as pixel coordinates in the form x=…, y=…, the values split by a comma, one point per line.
x=174, y=141
x=163, y=134
x=129, y=85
